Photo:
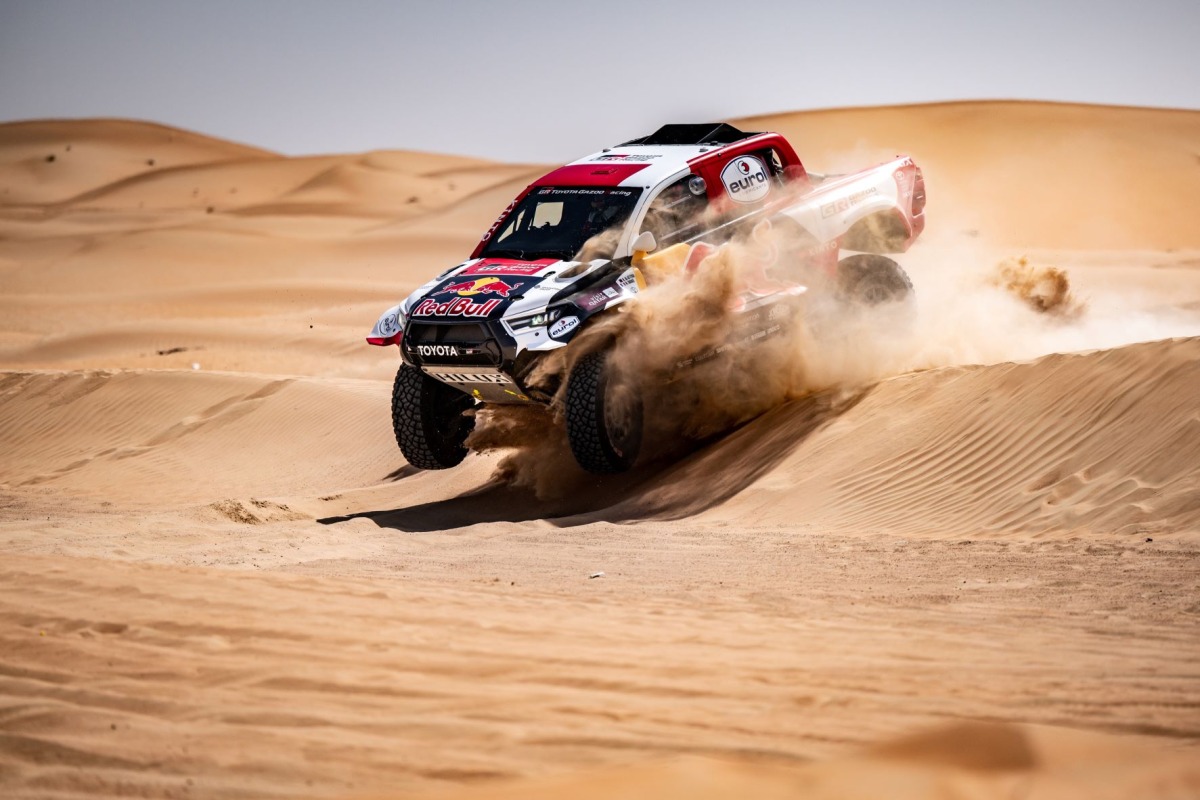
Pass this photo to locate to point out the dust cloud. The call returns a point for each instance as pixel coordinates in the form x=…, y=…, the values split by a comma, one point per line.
x=682, y=345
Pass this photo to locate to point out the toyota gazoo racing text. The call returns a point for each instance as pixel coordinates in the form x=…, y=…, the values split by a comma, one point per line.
x=580, y=242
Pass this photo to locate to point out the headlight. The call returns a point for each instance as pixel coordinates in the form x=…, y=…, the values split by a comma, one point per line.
x=538, y=320
x=389, y=329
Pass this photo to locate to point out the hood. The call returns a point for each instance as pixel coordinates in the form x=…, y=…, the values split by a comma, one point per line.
x=540, y=304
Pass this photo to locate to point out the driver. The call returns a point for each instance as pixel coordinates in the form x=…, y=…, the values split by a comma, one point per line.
x=600, y=216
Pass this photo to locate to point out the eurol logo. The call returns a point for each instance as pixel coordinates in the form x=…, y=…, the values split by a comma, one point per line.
x=563, y=327
x=477, y=286
x=745, y=179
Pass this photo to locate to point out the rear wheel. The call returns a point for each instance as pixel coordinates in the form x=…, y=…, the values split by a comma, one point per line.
x=428, y=420
x=604, y=416
x=872, y=280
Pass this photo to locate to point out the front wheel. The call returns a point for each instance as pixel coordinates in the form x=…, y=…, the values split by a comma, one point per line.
x=428, y=420
x=603, y=415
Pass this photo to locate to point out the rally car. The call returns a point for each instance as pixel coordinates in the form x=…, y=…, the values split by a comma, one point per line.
x=576, y=245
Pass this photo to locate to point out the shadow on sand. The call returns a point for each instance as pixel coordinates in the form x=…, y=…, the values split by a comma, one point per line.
x=710, y=475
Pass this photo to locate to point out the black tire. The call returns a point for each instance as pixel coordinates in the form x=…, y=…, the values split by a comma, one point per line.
x=604, y=423
x=428, y=420
x=872, y=280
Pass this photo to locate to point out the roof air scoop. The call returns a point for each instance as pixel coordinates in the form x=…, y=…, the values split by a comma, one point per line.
x=692, y=134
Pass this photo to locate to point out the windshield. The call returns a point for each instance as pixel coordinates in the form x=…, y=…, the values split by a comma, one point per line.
x=556, y=222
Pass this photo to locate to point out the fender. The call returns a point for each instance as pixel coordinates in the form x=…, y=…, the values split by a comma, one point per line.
x=832, y=209
x=614, y=288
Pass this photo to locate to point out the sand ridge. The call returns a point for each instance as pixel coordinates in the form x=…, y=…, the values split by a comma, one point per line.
x=1027, y=174
x=961, y=562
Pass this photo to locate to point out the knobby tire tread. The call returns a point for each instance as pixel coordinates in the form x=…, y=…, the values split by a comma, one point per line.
x=585, y=417
x=409, y=426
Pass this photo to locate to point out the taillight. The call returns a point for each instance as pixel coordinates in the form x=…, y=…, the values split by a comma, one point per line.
x=918, y=200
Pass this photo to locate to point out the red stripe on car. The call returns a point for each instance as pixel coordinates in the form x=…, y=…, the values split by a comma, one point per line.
x=590, y=175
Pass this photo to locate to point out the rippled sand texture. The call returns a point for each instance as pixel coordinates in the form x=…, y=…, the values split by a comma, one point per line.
x=961, y=563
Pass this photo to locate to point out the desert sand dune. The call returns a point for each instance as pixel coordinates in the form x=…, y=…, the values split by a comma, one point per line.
x=949, y=442
x=1027, y=174
x=114, y=433
x=137, y=678
x=959, y=562
x=51, y=161
x=1104, y=441
x=976, y=761
x=301, y=250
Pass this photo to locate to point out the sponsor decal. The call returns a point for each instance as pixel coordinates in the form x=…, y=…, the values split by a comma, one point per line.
x=496, y=225
x=388, y=325
x=494, y=268
x=745, y=179
x=484, y=377
x=549, y=190
x=593, y=301
x=850, y=200
x=478, y=286
x=563, y=327
x=716, y=352
x=628, y=282
x=817, y=250
x=601, y=297
x=904, y=183
x=458, y=307
x=438, y=350
x=626, y=157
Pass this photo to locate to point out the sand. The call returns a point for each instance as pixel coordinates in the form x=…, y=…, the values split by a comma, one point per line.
x=961, y=562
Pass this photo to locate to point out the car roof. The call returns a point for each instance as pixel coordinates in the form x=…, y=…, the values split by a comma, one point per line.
x=642, y=166
x=647, y=161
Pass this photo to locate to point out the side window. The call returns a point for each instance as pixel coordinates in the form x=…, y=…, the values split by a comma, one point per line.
x=780, y=172
x=775, y=162
x=676, y=214
x=511, y=227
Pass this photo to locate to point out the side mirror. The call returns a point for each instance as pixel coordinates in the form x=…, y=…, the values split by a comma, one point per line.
x=644, y=242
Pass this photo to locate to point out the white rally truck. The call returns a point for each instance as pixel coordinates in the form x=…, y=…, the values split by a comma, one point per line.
x=566, y=252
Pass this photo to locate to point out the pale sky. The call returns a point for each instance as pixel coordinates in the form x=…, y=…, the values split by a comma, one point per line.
x=529, y=80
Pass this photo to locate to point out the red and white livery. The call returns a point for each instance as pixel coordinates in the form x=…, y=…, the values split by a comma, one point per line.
x=569, y=248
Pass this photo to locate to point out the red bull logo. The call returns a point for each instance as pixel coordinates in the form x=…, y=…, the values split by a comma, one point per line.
x=458, y=307
x=489, y=285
